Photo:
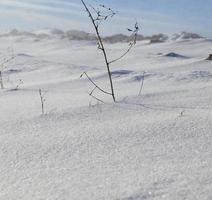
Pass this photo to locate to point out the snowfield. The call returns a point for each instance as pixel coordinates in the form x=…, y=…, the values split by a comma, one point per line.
x=150, y=147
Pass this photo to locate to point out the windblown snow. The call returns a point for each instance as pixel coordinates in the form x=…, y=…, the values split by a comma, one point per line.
x=154, y=146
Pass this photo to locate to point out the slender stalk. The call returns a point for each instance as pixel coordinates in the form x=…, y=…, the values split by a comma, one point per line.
x=3, y=63
x=123, y=55
x=42, y=101
x=102, y=48
x=95, y=84
x=96, y=98
x=142, y=84
x=1, y=80
x=131, y=44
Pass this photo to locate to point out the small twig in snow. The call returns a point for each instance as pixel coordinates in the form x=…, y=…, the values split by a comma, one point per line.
x=142, y=84
x=42, y=99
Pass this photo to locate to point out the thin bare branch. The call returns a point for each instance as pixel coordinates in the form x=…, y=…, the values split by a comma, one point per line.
x=19, y=84
x=131, y=44
x=92, y=91
x=91, y=94
x=96, y=86
x=142, y=84
x=102, y=15
x=42, y=99
x=2, y=65
x=96, y=98
x=101, y=45
x=123, y=55
x=5, y=61
x=1, y=80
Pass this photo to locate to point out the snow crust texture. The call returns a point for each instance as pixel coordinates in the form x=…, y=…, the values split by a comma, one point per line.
x=150, y=147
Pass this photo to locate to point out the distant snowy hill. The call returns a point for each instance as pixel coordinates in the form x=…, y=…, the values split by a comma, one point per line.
x=81, y=35
x=185, y=36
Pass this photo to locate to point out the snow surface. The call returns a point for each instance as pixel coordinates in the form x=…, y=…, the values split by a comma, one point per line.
x=155, y=146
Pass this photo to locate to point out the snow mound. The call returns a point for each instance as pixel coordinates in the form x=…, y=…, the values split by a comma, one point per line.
x=119, y=73
x=174, y=55
x=24, y=55
x=185, y=36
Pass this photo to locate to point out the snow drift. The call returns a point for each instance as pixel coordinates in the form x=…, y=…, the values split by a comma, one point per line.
x=154, y=146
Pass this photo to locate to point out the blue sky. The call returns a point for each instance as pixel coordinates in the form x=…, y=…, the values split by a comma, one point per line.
x=154, y=16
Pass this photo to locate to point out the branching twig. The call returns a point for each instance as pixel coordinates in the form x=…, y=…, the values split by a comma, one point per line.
x=97, y=16
x=18, y=85
x=42, y=99
x=131, y=44
x=91, y=95
x=102, y=15
x=5, y=61
x=2, y=67
x=95, y=84
x=101, y=45
x=92, y=91
x=123, y=55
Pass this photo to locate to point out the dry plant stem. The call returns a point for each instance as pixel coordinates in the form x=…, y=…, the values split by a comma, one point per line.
x=101, y=46
x=5, y=61
x=123, y=55
x=42, y=101
x=96, y=98
x=142, y=84
x=95, y=84
x=19, y=84
x=131, y=44
x=1, y=80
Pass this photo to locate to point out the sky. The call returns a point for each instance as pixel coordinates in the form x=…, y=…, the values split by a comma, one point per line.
x=153, y=16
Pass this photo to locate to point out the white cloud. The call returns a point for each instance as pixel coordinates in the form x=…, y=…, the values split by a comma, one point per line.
x=36, y=14
x=29, y=6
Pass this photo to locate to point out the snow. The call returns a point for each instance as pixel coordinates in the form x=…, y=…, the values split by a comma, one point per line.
x=154, y=146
